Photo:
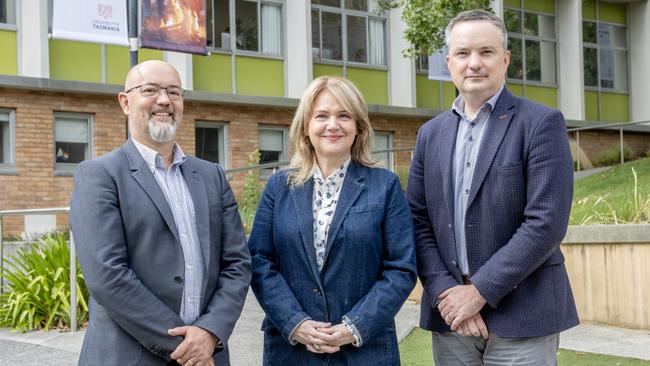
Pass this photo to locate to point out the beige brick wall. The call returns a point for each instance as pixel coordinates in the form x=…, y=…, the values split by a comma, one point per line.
x=36, y=186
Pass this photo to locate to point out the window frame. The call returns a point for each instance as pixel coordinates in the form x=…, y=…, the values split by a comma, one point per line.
x=67, y=169
x=599, y=47
x=223, y=126
x=391, y=159
x=341, y=10
x=522, y=37
x=232, y=25
x=9, y=168
x=284, y=155
x=10, y=8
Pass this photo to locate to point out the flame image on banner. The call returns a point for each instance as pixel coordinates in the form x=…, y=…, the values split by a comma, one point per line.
x=174, y=25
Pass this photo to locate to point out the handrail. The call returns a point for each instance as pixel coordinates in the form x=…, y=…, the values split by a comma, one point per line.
x=73, y=255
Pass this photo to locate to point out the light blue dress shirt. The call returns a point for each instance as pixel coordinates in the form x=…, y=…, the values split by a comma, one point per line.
x=468, y=142
x=178, y=197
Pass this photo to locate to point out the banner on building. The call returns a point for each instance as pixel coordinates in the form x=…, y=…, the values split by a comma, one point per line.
x=99, y=21
x=174, y=25
x=438, y=66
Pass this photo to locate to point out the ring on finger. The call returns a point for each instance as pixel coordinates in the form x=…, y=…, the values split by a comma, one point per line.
x=316, y=347
x=189, y=362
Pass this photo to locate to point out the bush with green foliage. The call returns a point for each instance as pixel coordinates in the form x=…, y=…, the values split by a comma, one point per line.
x=37, y=287
x=252, y=192
x=612, y=156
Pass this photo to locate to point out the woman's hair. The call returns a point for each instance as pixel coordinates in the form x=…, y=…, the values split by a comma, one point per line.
x=348, y=96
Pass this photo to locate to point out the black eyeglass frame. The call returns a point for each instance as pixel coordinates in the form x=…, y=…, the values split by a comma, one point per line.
x=160, y=90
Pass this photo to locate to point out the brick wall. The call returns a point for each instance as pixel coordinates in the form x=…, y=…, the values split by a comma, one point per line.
x=592, y=143
x=37, y=186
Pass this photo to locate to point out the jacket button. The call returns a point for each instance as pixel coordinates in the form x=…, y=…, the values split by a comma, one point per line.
x=316, y=291
x=178, y=279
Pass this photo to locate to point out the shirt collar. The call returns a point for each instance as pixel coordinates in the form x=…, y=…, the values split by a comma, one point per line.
x=338, y=175
x=459, y=103
x=153, y=158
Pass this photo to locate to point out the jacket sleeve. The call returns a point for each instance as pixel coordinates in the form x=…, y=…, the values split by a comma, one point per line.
x=378, y=307
x=433, y=273
x=270, y=288
x=98, y=233
x=549, y=192
x=226, y=303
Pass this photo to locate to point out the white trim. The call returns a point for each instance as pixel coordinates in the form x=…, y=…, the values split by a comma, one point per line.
x=223, y=126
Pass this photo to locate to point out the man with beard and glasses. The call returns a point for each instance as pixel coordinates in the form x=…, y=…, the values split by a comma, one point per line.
x=159, y=239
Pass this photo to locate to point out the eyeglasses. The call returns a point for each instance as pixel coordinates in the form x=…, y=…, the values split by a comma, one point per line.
x=153, y=90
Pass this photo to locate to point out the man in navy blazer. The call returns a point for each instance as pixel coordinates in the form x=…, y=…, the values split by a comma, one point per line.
x=490, y=190
x=159, y=239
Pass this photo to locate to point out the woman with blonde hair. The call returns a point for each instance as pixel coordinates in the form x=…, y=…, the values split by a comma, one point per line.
x=332, y=242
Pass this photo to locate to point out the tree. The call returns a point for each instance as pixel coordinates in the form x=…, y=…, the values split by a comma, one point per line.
x=426, y=21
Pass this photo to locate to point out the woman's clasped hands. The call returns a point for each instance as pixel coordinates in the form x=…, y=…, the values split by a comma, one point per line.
x=322, y=337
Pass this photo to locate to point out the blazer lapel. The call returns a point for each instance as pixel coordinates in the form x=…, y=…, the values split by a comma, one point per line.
x=447, y=147
x=302, y=203
x=496, y=129
x=201, y=211
x=352, y=187
x=146, y=180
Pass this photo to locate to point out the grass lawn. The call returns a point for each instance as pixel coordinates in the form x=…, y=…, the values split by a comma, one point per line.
x=609, y=197
x=415, y=350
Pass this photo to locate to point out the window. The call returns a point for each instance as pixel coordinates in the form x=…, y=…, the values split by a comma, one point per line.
x=605, y=55
x=7, y=12
x=257, y=24
x=211, y=140
x=383, y=142
x=7, y=141
x=348, y=31
x=272, y=145
x=532, y=45
x=72, y=136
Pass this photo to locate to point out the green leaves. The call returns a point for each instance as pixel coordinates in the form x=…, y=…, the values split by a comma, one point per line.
x=252, y=192
x=37, y=287
x=426, y=21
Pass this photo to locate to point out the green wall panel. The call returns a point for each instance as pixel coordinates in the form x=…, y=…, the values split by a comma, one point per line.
x=448, y=94
x=260, y=76
x=9, y=60
x=544, y=6
x=322, y=69
x=591, y=106
x=614, y=13
x=589, y=10
x=427, y=92
x=80, y=61
x=544, y=95
x=118, y=61
x=516, y=89
x=373, y=84
x=615, y=107
x=512, y=3
x=212, y=73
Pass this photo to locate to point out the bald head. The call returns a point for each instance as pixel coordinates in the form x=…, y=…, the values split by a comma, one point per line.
x=149, y=71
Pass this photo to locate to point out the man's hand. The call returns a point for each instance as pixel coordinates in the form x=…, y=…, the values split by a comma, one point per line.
x=338, y=335
x=310, y=333
x=460, y=303
x=197, y=347
x=474, y=326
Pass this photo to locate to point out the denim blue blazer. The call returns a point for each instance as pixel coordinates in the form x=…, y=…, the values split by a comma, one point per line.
x=369, y=267
x=517, y=215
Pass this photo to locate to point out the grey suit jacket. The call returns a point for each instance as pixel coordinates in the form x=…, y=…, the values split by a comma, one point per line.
x=132, y=261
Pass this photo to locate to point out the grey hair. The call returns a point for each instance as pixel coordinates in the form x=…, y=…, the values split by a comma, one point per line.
x=477, y=15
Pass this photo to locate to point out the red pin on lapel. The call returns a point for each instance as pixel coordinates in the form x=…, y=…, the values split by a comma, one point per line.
x=503, y=116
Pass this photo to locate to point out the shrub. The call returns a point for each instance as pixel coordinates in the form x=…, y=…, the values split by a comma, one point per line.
x=647, y=152
x=251, y=194
x=612, y=156
x=37, y=290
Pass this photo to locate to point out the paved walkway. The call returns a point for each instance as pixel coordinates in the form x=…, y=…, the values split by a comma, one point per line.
x=62, y=349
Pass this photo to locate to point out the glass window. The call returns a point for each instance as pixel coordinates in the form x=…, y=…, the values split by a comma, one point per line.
x=7, y=144
x=218, y=24
x=422, y=63
x=532, y=45
x=605, y=55
x=246, y=21
x=71, y=138
x=364, y=41
x=210, y=138
x=8, y=11
x=382, y=143
x=272, y=145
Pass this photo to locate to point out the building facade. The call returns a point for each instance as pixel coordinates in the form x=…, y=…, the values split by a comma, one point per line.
x=58, y=104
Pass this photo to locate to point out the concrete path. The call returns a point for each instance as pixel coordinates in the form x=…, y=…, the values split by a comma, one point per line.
x=585, y=173
x=62, y=349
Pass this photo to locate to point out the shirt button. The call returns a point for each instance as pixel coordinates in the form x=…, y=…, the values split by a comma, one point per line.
x=189, y=266
x=468, y=164
x=178, y=279
x=467, y=191
x=471, y=139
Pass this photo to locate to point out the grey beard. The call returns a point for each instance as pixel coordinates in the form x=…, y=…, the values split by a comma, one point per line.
x=162, y=132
